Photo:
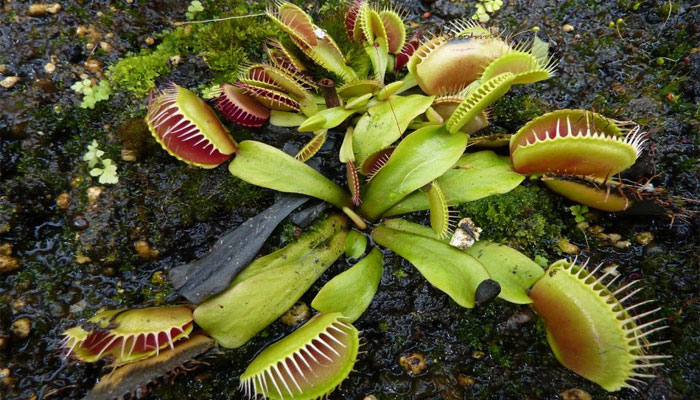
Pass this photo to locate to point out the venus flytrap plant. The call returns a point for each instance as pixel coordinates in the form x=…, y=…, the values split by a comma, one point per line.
x=402, y=153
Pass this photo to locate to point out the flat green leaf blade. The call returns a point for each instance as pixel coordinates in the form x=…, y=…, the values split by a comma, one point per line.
x=475, y=176
x=266, y=166
x=351, y=292
x=420, y=158
x=445, y=267
x=385, y=122
x=244, y=309
x=515, y=272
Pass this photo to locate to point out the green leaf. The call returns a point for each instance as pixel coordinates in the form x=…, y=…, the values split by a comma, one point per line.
x=420, y=158
x=251, y=304
x=515, y=272
x=266, y=166
x=385, y=122
x=453, y=271
x=351, y=292
x=326, y=119
x=286, y=119
x=355, y=245
x=475, y=176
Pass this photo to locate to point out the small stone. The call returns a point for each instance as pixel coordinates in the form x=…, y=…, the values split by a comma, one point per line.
x=63, y=201
x=81, y=30
x=149, y=41
x=129, y=1
x=18, y=305
x=575, y=394
x=8, y=264
x=9, y=82
x=5, y=249
x=50, y=67
x=106, y=47
x=465, y=381
x=82, y=259
x=614, y=237
x=93, y=65
x=567, y=247
x=478, y=355
x=486, y=291
x=413, y=363
x=93, y=193
x=79, y=223
x=128, y=155
x=644, y=238
x=175, y=60
x=466, y=234
x=623, y=244
x=157, y=278
x=296, y=315
x=6, y=380
x=596, y=229
x=144, y=250
x=583, y=225
x=567, y=28
x=21, y=328
x=39, y=9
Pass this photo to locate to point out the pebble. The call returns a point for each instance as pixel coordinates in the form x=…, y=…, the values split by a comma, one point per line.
x=39, y=9
x=144, y=250
x=128, y=155
x=296, y=315
x=63, y=201
x=623, y=244
x=614, y=237
x=21, y=328
x=583, y=225
x=149, y=41
x=644, y=238
x=93, y=65
x=93, y=193
x=413, y=363
x=8, y=264
x=50, y=67
x=370, y=397
x=596, y=229
x=106, y=47
x=486, y=291
x=567, y=247
x=18, y=305
x=5, y=249
x=78, y=307
x=567, y=28
x=6, y=379
x=79, y=223
x=9, y=81
x=465, y=381
x=575, y=394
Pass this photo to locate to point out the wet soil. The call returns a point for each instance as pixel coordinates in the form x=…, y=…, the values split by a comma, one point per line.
x=77, y=259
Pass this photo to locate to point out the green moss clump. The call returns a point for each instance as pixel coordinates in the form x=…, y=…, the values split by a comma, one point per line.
x=528, y=218
x=513, y=112
x=223, y=45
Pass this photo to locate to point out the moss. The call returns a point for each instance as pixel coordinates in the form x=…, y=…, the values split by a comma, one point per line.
x=528, y=217
x=512, y=112
x=223, y=45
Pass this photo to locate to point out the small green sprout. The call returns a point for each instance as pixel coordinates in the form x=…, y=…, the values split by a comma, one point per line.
x=542, y=261
x=92, y=94
x=194, y=8
x=486, y=7
x=108, y=171
x=209, y=92
x=578, y=211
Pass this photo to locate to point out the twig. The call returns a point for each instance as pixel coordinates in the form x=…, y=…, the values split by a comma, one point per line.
x=217, y=19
